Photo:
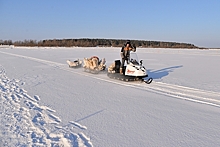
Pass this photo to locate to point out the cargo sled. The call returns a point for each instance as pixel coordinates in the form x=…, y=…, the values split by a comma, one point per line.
x=94, y=65
x=74, y=64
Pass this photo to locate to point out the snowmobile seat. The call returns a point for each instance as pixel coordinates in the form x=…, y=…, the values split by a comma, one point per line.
x=117, y=66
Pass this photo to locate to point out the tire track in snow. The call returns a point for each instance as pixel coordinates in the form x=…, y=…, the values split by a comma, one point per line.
x=175, y=91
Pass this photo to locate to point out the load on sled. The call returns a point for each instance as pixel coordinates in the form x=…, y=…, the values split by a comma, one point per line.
x=94, y=64
x=74, y=64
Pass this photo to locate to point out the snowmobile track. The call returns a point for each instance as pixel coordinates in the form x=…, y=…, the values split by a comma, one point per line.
x=187, y=93
x=120, y=77
x=179, y=92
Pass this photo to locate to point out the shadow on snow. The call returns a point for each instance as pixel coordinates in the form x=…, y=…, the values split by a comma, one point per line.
x=158, y=74
x=90, y=115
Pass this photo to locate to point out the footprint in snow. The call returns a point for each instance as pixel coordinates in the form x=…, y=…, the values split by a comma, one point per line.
x=86, y=140
x=15, y=98
x=36, y=97
x=78, y=125
x=57, y=119
x=30, y=124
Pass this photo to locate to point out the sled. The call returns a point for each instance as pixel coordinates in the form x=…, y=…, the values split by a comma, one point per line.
x=94, y=65
x=74, y=64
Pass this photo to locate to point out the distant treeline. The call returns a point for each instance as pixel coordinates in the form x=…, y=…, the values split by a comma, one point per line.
x=96, y=42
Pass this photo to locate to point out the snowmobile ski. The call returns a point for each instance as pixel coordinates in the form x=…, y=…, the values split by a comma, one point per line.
x=147, y=81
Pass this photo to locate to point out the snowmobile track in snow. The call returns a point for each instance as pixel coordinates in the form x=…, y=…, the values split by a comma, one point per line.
x=179, y=92
x=187, y=93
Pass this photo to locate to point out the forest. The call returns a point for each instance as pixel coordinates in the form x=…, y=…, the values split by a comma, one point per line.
x=86, y=42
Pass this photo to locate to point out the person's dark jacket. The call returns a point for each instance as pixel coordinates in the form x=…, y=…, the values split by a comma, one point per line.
x=125, y=51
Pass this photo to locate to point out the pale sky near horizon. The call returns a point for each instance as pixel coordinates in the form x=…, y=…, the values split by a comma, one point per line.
x=187, y=21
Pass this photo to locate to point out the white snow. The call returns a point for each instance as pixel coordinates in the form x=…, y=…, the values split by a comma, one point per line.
x=43, y=102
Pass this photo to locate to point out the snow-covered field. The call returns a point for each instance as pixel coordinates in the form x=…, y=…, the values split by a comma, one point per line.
x=43, y=102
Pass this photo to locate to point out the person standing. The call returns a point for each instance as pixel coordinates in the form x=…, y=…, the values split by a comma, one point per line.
x=125, y=54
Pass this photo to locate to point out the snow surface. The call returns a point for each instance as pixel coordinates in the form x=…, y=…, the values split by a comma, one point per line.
x=43, y=102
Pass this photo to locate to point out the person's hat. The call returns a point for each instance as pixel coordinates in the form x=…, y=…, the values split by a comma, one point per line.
x=128, y=42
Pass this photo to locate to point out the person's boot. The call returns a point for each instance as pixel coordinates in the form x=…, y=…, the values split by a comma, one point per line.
x=121, y=71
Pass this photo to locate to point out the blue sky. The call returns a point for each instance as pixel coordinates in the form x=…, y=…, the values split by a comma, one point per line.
x=188, y=21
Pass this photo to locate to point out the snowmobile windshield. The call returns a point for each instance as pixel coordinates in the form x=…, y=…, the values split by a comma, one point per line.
x=134, y=58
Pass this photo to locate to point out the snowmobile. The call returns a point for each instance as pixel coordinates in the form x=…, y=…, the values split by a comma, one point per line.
x=74, y=64
x=134, y=71
x=94, y=65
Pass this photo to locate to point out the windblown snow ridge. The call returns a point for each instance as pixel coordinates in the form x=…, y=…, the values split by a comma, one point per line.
x=24, y=122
